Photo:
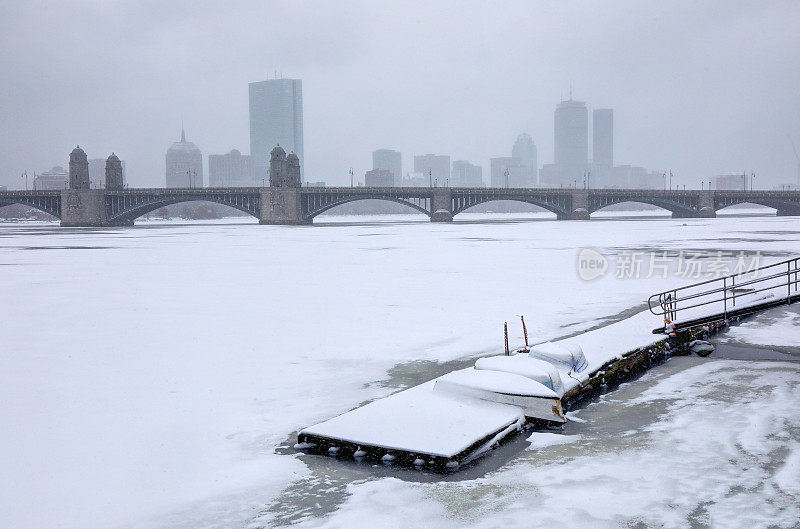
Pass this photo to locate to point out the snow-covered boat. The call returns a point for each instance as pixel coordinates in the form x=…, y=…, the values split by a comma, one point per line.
x=535, y=399
x=526, y=366
x=566, y=355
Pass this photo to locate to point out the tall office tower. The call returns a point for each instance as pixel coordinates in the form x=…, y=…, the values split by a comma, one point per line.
x=231, y=170
x=97, y=172
x=434, y=168
x=389, y=160
x=184, y=164
x=603, y=137
x=572, y=136
x=276, y=118
x=465, y=174
x=525, y=151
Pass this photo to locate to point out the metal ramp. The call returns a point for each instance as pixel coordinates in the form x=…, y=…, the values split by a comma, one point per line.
x=729, y=297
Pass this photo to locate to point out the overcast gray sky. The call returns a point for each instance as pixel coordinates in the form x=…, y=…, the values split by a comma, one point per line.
x=700, y=88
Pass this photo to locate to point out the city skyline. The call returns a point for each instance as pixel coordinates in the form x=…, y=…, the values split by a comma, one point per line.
x=669, y=113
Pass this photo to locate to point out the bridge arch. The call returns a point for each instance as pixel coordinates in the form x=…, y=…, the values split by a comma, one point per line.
x=675, y=208
x=127, y=215
x=783, y=206
x=557, y=206
x=49, y=205
x=316, y=211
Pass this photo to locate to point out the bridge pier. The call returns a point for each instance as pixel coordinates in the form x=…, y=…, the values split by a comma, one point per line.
x=580, y=205
x=282, y=206
x=442, y=205
x=84, y=208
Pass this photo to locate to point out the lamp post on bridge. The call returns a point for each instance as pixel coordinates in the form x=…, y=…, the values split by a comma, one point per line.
x=351, y=177
x=506, y=175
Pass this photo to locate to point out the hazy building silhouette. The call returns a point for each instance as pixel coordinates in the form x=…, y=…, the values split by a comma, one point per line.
x=184, y=164
x=55, y=178
x=379, y=178
x=465, y=174
x=276, y=117
x=518, y=175
x=97, y=172
x=603, y=137
x=231, y=170
x=434, y=167
x=571, y=128
x=391, y=161
x=78, y=169
x=114, y=172
x=525, y=151
x=731, y=182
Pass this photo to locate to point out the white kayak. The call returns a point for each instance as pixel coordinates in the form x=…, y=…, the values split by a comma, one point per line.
x=567, y=355
x=536, y=400
x=522, y=364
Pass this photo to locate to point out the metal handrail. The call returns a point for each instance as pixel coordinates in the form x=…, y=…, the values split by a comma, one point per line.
x=670, y=302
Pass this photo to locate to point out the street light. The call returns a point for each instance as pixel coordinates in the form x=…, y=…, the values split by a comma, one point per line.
x=351, y=177
x=506, y=175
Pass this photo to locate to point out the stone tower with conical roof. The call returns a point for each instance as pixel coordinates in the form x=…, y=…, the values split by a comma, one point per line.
x=293, y=171
x=277, y=167
x=114, y=173
x=78, y=169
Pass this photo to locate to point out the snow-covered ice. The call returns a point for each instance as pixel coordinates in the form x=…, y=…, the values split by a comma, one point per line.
x=154, y=370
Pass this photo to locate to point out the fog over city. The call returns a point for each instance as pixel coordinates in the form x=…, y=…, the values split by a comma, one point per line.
x=700, y=89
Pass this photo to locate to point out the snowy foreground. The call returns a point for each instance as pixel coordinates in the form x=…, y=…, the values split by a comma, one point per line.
x=150, y=374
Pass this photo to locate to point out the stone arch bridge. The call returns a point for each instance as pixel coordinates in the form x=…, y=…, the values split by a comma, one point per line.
x=288, y=205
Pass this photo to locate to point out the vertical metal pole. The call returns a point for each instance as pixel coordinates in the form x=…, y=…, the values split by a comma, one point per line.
x=733, y=289
x=505, y=334
x=725, y=296
x=788, y=283
x=524, y=330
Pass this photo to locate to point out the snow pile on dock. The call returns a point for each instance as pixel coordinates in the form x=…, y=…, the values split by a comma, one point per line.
x=455, y=417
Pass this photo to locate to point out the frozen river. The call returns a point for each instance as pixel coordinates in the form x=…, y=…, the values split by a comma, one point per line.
x=153, y=376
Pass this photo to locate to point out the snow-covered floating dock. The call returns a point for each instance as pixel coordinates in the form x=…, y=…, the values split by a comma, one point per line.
x=453, y=419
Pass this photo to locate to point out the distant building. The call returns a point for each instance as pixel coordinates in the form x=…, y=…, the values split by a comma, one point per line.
x=379, y=178
x=389, y=160
x=525, y=151
x=231, y=170
x=731, y=182
x=184, y=164
x=623, y=177
x=97, y=172
x=603, y=137
x=465, y=174
x=571, y=146
x=321, y=183
x=435, y=167
x=518, y=174
x=276, y=118
x=55, y=178
x=571, y=128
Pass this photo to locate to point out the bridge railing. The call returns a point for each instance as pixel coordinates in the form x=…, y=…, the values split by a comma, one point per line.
x=730, y=294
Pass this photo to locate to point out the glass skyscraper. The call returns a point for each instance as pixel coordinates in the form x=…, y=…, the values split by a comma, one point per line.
x=276, y=117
